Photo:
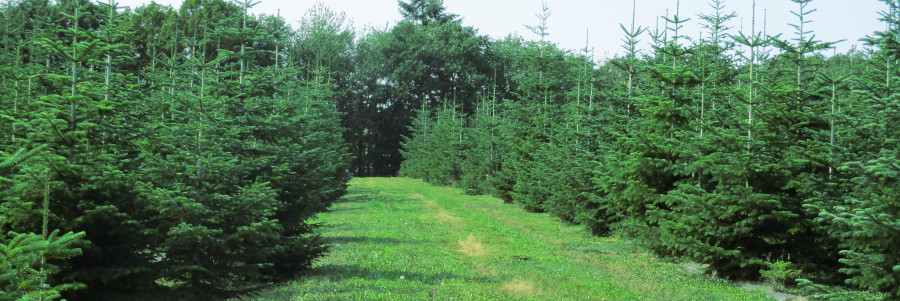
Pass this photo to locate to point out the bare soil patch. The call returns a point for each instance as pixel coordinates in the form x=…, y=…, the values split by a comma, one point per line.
x=471, y=246
x=444, y=217
x=519, y=287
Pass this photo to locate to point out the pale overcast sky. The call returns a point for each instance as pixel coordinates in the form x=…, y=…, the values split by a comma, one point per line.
x=834, y=20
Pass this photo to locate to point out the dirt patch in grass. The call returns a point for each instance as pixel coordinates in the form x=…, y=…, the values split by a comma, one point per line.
x=519, y=287
x=430, y=204
x=520, y=224
x=444, y=217
x=425, y=201
x=471, y=246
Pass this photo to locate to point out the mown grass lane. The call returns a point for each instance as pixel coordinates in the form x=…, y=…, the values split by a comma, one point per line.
x=403, y=239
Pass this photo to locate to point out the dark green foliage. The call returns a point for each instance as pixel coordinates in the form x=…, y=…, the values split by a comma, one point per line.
x=181, y=145
x=428, y=59
x=865, y=217
x=251, y=153
x=24, y=271
x=762, y=164
x=439, y=148
x=425, y=11
x=24, y=257
x=484, y=149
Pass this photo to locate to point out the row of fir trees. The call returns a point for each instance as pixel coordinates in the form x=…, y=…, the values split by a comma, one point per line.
x=752, y=153
x=166, y=150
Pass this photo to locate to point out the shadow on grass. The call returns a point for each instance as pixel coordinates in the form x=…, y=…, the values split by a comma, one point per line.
x=364, y=195
x=356, y=197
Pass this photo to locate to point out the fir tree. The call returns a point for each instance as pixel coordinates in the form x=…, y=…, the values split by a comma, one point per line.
x=865, y=220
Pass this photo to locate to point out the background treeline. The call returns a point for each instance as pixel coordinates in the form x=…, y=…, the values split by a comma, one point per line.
x=154, y=147
x=754, y=154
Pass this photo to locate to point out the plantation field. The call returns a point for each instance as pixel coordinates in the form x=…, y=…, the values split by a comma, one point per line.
x=403, y=239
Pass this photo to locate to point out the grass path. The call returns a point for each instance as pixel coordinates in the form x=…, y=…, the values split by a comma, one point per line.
x=403, y=239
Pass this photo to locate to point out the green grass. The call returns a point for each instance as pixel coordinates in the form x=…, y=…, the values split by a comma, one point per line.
x=403, y=239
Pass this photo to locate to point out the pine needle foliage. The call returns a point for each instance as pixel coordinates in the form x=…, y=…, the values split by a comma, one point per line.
x=179, y=149
x=758, y=155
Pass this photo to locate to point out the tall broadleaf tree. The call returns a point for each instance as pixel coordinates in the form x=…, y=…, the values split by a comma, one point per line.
x=430, y=59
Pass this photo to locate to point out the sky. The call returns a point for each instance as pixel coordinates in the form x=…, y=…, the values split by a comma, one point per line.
x=573, y=24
